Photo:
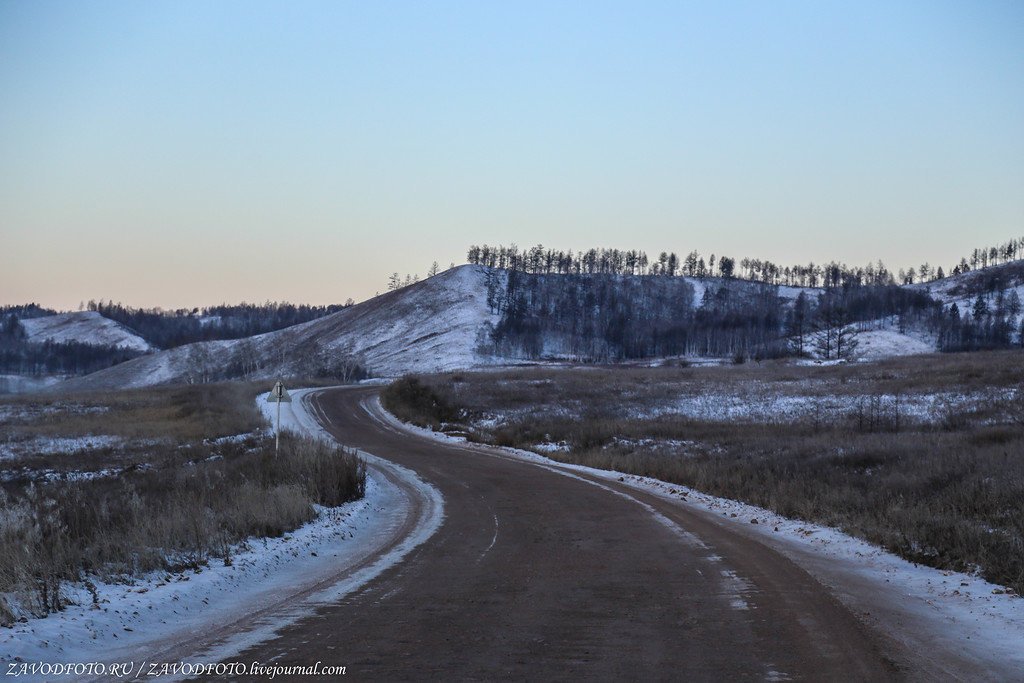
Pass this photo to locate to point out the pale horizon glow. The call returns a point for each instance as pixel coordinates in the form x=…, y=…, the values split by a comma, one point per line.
x=181, y=154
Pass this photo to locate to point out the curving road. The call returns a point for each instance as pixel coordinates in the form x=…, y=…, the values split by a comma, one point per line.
x=540, y=573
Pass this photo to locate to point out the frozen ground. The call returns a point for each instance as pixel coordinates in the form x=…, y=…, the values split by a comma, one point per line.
x=162, y=613
x=764, y=402
x=766, y=405
x=59, y=445
x=928, y=610
x=23, y=384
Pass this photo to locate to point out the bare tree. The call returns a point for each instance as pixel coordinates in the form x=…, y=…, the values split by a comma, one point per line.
x=199, y=364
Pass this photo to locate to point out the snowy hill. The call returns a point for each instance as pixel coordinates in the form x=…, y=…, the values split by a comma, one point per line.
x=430, y=326
x=890, y=343
x=442, y=324
x=84, y=327
x=964, y=288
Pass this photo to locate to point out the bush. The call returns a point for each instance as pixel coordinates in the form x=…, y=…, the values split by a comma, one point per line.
x=193, y=507
x=411, y=400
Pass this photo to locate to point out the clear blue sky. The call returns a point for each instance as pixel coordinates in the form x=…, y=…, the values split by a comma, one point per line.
x=187, y=153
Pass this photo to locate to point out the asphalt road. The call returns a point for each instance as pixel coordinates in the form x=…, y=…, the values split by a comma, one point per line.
x=542, y=575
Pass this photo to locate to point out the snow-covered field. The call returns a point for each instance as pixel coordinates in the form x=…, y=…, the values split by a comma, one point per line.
x=770, y=406
x=23, y=384
x=160, y=614
x=757, y=401
x=84, y=327
x=889, y=343
x=926, y=609
x=61, y=445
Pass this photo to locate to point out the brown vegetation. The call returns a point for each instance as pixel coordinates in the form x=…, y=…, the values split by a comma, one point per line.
x=176, y=504
x=941, y=487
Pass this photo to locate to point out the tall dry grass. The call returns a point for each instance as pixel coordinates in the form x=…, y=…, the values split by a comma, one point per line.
x=944, y=490
x=185, y=501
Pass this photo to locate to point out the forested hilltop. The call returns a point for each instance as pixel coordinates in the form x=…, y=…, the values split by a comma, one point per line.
x=608, y=305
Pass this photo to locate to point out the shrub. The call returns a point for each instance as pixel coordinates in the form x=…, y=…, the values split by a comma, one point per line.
x=192, y=507
x=413, y=401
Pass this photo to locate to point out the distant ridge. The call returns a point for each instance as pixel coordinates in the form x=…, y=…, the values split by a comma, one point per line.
x=445, y=323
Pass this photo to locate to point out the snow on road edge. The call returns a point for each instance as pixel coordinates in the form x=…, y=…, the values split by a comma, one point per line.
x=155, y=612
x=297, y=417
x=968, y=615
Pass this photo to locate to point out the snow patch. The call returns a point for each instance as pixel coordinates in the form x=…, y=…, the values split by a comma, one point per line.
x=84, y=327
x=62, y=445
x=879, y=344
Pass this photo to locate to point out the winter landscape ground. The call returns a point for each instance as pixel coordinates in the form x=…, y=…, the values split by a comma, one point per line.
x=143, y=511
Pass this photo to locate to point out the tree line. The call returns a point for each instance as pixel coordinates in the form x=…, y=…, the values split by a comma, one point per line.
x=541, y=260
x=168, y=329
x=607, y=317
x=991, y=323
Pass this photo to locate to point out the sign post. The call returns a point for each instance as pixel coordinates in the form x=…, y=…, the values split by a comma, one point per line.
x=278, y=395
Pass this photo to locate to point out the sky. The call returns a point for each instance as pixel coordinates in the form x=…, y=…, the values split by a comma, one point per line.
x=181, y=154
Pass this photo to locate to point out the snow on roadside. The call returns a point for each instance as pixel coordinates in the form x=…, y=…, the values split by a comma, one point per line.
x=962, y=611
x=125, y=619
x=152, y=613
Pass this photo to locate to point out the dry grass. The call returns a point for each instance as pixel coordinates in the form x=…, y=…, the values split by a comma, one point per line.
x=185, y=413
x=176, y=503
x=942, y=487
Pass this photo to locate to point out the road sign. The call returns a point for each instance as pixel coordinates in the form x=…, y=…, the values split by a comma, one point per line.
x=278, y=395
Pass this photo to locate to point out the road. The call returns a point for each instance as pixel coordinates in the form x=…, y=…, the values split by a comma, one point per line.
x=545, y=574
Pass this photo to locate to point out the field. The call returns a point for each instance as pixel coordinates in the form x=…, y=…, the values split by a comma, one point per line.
x=106, y=487
x=921, y=455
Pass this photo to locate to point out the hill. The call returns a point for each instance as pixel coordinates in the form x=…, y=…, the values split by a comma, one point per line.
x=82, y=327
x=474, y=316
x=430, y=326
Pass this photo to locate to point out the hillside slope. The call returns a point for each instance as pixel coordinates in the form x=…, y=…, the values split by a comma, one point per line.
x=83, y=327
x=430, y=326
x=963, y=289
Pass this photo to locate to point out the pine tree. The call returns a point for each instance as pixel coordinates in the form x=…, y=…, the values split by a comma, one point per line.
x=796, y=327
x=980, y=308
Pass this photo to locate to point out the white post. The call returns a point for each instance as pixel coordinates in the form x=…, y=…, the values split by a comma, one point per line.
x=277, y=439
